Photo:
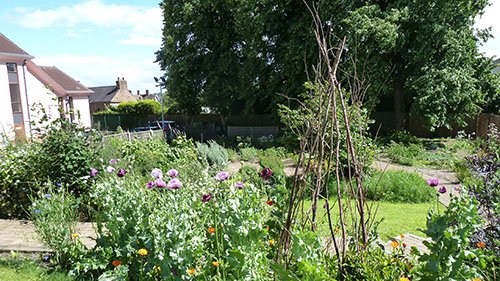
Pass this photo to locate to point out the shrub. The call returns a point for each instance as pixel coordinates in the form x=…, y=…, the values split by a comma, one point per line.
x=398, y=186
x=213, y=154
x=18, y=179
x=249, y=153
x=450, y=257
x=140, y=107
x=404, y=154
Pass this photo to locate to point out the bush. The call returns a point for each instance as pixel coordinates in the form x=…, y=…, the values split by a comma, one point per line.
x=140, y=107
x=398, y=186
x=249, y=153
x=213, y=154
x=404, y=154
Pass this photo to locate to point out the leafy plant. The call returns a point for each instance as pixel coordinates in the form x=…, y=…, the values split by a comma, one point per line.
x=450, y=256
x=213, y=154
x=249, y=153
x=398, y=186
x=404, y=154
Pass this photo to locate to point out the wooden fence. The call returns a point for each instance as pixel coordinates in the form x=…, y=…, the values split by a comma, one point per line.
x=145, y=135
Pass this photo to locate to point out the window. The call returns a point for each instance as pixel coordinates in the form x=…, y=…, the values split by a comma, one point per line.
x=11, y=67
x=15, y=102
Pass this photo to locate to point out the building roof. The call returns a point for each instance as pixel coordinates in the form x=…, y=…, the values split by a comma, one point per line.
x=59, y=82
x=103, y=93
x=9, y=49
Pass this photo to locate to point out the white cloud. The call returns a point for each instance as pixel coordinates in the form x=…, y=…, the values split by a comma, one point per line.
x=140, y=25
x=102, y=70
x=491, y=19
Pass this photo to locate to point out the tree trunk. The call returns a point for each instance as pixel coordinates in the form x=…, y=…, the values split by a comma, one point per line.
x=399, y=101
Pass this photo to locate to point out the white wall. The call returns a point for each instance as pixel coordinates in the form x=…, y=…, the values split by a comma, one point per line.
x=38, y=96
x=81, y=105
x=6, y=119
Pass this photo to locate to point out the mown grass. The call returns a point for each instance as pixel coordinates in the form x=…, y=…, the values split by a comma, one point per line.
x=396, y=218
x=25, y=269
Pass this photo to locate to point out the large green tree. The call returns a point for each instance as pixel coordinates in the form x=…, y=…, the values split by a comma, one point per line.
x=243, y=56
x=426, y=54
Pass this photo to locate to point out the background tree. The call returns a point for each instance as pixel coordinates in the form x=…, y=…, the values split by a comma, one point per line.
x=242, y=56
x=426, y=54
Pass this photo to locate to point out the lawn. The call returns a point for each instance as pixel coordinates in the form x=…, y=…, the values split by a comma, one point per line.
x=27, y=270
x=397, y=218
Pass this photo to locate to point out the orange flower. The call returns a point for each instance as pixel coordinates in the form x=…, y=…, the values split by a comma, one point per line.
x=270, y=202
x=395, y=244
x=481, y=245
x=402, y=236
x=191, y=271
x=211, y=230
x=116, y=263
x=215, y=263
x=271, y=242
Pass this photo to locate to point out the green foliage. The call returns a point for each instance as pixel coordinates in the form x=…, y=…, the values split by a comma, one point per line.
x=64, y=156
x=398, y=186
x=410, y=49
x=377, y=265
x=273, y=158
x=249, y=153
x=404, y=154
x=17, y=267
x=55, y=214
x=139, y=107
x=18, y=179
x=213, y=154
x=450, y=257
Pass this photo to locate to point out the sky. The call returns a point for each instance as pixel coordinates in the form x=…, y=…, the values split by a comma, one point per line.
x=96, y=41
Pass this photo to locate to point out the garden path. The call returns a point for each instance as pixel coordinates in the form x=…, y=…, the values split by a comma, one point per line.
x=446, y=178
x=20, y=236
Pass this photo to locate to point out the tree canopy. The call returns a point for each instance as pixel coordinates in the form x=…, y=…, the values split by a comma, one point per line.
x=245, y=56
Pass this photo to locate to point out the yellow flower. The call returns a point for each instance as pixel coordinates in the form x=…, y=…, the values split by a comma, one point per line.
x=271, y=242
x=476, y=279
x=395, y=244
x=191, y=271
x=404, y=279
x=75, y=235
x=142, y=252
x=157, y=269
x=215, y=263
x=402, y=236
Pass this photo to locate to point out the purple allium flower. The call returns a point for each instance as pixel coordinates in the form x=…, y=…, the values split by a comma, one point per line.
x=442, y=189
x=47, y=196
x=110, y=169
x=157, y=173
x=206, y=197
x=239, y=185
x=172, y=173
x=160, y=183
x=174, y=184
x=266, y=173
x=221, y=176
x=433, y=182
x=121, y=173
x=113, y=161
x=150, y=185
x=37, y=211
x=58, y=184
x=93, y=172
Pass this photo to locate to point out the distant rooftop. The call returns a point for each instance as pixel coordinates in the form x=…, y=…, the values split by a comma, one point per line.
x=64, y=80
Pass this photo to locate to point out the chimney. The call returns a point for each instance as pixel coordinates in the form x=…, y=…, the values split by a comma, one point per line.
x=147, y=93
x=121, y=84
